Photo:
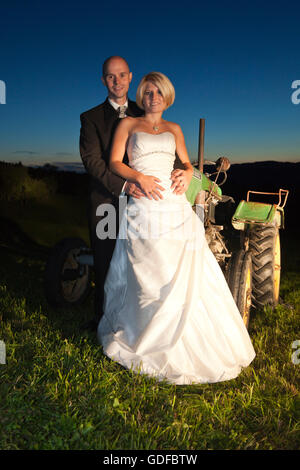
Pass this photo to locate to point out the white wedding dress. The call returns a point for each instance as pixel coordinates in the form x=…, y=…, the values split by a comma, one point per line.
x=168, y=311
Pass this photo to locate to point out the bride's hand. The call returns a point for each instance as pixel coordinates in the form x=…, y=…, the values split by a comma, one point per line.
x=180, y=180
x=149, y=185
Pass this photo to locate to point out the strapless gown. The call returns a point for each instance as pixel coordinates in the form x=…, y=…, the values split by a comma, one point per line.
x=168, y=310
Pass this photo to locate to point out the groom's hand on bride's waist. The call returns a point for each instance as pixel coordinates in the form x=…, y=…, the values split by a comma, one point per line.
x=132, y=189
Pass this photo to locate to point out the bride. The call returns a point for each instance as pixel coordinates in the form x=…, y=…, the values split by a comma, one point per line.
x=168, y=311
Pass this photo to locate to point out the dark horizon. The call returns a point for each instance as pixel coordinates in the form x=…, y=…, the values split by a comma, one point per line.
x=70, y=166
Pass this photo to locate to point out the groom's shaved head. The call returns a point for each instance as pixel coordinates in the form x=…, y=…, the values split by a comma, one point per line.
x=110, y=59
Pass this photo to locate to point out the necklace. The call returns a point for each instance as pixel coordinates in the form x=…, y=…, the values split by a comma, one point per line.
x=155, y=127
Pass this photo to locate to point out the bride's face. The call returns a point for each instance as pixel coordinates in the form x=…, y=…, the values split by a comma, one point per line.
x=153, y=100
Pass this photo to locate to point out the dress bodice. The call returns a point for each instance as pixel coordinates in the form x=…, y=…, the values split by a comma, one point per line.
x=152, y=154
x=142, y=144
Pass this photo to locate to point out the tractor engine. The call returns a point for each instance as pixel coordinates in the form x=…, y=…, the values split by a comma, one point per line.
x=213, y=234
x=205, y=205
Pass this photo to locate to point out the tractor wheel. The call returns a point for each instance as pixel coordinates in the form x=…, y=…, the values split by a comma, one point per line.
x=239, y=278
x=66, y=282
x=264, y=244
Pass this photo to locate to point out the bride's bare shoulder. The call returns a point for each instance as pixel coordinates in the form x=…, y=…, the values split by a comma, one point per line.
x=127, y=123
x=174, y=127
x=130, y=122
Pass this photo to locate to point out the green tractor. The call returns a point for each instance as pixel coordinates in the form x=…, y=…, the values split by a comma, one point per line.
x=251, y=266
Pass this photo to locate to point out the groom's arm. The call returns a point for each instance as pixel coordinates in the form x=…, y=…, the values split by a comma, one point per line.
x=178, y=163
x=92, y=156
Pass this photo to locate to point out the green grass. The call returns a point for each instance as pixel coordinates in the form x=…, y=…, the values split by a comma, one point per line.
x=58, y=390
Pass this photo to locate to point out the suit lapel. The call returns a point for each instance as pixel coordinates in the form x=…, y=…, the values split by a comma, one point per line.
x=129, y=110
x=110, y=114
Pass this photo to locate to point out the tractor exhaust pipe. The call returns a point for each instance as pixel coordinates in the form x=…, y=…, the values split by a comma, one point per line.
x=201, y=145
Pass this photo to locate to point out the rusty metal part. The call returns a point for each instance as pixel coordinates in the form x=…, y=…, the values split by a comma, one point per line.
x=280, y=194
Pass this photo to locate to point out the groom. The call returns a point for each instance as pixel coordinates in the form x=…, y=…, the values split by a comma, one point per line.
x=97, y=129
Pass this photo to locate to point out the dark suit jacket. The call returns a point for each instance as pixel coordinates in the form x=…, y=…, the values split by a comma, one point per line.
x=97, y=129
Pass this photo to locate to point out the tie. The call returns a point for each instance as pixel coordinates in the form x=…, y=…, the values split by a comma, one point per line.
x=122, y=111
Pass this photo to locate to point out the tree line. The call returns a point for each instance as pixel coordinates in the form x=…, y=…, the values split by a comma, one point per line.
x=22, y=183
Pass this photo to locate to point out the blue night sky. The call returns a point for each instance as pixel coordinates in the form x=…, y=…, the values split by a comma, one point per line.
x=232, y=63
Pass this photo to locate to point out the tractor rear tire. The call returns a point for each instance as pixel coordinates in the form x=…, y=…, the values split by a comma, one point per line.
x=239, y=279
x=264, y=244
x=65, y=282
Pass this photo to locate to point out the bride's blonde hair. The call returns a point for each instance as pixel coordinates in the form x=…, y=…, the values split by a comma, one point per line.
x=163, y=84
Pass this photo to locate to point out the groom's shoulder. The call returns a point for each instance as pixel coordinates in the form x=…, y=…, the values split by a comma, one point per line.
x=95, y=112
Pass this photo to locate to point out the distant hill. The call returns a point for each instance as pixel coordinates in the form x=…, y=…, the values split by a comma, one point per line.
x=75, y=167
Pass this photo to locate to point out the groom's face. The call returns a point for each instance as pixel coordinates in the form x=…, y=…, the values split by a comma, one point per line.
x=117, y=79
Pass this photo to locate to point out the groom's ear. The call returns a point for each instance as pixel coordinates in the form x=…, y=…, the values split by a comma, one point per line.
x=130, y=76
x=103, y=80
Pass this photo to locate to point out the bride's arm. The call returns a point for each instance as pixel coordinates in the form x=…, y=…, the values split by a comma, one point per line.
x=118, y=150
x=148, y=184
x=181, y=178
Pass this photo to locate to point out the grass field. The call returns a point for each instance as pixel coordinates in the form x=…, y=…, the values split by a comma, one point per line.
x=58, y=391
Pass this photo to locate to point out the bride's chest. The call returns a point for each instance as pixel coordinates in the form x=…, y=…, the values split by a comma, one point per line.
x=142, y=144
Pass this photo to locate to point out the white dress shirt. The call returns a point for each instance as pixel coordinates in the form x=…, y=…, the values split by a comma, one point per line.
x=116, y=107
